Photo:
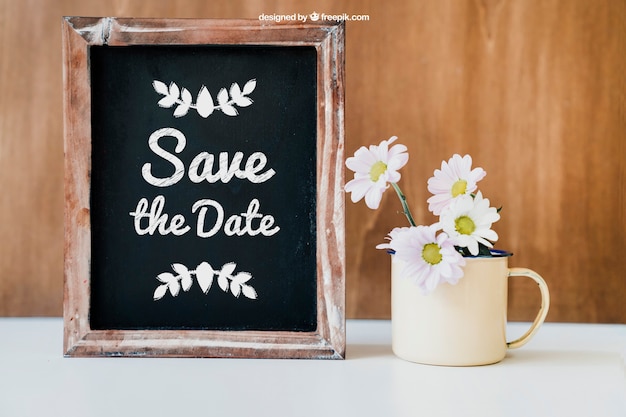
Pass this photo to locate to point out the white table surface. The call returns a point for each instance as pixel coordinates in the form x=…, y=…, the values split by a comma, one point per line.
x=566, y=370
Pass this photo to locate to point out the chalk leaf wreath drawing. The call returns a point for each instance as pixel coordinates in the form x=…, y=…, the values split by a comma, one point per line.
x=432, y=254
x=205, y=106
x=205, y=274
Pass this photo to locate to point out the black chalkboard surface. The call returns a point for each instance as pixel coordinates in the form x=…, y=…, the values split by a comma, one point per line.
x=130, y=132
x=204, y=204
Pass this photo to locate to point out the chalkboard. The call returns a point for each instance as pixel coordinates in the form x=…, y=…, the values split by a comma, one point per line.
x=204, y=211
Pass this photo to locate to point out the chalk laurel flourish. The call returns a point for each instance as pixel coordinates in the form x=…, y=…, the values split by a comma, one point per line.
x=227, y=100
x=227, y=280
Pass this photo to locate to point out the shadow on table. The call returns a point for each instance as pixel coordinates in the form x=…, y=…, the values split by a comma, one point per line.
x=563, y=358
x=356, y=351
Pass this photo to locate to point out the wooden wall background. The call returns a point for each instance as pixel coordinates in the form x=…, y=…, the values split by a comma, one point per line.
x=533, y=90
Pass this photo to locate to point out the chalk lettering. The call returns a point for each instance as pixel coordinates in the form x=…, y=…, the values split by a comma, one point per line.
x=156, y=219
x=149, y=218
x=233, y=225
x=179, y=167
x=201, y=166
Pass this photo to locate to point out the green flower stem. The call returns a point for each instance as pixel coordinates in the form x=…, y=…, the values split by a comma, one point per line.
x=405, y=205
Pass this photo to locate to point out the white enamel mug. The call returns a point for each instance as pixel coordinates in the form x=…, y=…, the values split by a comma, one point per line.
x=462, y=324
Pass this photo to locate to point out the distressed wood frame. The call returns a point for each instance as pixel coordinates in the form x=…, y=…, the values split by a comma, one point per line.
x=328, y=341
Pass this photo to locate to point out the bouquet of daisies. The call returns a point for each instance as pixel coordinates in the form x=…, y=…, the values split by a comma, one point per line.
x=431, y=254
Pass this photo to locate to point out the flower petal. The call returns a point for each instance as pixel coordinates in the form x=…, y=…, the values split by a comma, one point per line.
x=373, y=197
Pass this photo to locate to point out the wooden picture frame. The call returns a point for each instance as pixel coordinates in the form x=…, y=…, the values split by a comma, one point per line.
x=327, y=340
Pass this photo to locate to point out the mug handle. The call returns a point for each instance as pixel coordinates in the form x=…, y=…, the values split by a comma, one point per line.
x=543, y=311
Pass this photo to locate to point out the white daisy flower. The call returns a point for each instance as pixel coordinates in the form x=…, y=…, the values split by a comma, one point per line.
x=468, y=222
x=430, y=259
x=455, y=178
x=374, y=169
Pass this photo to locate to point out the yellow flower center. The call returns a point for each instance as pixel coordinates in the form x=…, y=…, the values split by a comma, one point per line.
x=459, y=188
x=465, y=225
x=377, y=170
x=431, y=253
